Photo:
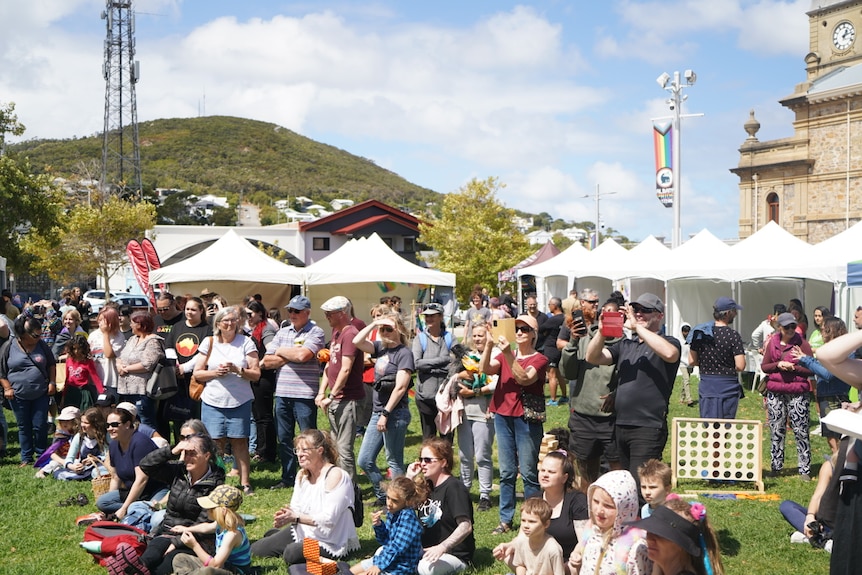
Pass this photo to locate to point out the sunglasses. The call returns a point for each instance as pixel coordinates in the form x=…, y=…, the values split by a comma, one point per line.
x=792, y=326
x=163, y=309
x=114, y=424
x=428, y=459
x=592, y=301
x=386, y=329
x=291, y=310
x=35, y=334
x=641, y=309
x=189, y=436
x=523, y=329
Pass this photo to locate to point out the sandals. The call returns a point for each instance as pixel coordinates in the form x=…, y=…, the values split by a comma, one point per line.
x=79, y=499
x=247, y=490
x=502, y=528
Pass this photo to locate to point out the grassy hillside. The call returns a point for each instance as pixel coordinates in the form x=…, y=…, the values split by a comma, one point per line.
x=225, y=155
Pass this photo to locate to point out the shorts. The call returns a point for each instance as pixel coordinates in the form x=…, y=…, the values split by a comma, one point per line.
x=828, y=403
x=591, y=437
x=554, y=357
x=230, y=422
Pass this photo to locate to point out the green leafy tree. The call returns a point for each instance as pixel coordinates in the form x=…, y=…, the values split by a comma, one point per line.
x=561, y=242
x=93, y=239
x=29, y=203
x=475, y=236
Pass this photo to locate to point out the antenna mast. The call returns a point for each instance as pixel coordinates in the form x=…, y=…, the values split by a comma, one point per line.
x=121, y=154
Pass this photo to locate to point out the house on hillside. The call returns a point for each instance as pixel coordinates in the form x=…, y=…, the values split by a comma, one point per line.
x=398, y=229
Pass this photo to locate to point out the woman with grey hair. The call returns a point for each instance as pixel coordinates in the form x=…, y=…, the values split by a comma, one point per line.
x=227, y=363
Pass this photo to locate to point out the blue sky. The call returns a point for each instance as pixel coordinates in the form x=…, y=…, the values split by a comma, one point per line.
x=553, y=97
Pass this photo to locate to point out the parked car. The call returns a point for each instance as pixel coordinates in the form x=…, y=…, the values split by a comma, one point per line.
x=137, y=301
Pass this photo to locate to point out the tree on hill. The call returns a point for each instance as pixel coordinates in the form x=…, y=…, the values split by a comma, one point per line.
x=92, y=240
x=29, y=203
x=475, y=236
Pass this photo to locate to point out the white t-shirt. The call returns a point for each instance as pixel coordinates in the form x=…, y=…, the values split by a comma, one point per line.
x=229, y=390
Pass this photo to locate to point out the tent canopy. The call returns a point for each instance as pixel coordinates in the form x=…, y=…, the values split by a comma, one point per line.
x=233, y=268
x=546, y=252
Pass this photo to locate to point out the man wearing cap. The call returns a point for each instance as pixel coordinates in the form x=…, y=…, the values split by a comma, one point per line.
x=646, y=366
x=720, y=357
x=293, y=351
x=431, y=357
x=342, y=377
x=210, y=307
x=169, y=314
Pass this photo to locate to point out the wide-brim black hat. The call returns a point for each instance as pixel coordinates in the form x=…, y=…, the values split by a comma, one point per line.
x=673, y=527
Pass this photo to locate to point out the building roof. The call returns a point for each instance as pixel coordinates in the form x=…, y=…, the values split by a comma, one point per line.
x=368, y=214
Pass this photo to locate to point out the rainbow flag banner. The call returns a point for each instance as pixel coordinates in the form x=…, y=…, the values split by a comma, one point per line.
x=664, y=176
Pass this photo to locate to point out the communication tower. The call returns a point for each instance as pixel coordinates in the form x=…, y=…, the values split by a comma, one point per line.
x=121, y=155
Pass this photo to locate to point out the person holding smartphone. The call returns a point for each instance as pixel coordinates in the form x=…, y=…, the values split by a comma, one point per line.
x=646, y=367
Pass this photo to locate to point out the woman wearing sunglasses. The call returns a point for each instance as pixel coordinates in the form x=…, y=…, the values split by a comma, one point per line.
x=393, y=370
x=129, y=483
x=192, y=471
x=28, y=374
x=447, y=513
x=521, y=372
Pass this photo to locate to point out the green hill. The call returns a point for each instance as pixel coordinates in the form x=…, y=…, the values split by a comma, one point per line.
x=225, y=155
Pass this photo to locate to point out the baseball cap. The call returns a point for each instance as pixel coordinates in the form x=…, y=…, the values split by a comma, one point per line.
x=222, y=496
x=432, y=308
x=107, y=399
x=207, y=293
x=650, y=300
x=786, y=319
x=69, y=413
x=130, y=407
x=336, y=303
x=299, y=302
x=725, y=304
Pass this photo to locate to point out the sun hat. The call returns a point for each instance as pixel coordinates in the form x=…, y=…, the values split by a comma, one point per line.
x=431, y=308
x=69, y=413
x=222, y=496
x=672, y=526
x=529, y=320
x=130, y=407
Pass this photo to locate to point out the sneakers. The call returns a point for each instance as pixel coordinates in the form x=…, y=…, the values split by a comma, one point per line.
x=797, y=537
x=84, y=520
x=280, y=485
x=564, y=400
x=553, y=403
x=805, y=477
x=484, y=504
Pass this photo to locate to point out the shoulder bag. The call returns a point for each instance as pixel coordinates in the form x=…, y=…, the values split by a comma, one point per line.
x=534, y=407
x=162, y=383
x=196, y=388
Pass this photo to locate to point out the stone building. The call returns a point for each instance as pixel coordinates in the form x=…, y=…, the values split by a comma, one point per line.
x=811, y=183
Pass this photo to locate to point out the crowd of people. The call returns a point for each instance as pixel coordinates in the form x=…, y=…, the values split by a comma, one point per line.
x=598, y=503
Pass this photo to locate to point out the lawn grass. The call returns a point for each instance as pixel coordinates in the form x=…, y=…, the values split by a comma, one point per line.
x=40, y=538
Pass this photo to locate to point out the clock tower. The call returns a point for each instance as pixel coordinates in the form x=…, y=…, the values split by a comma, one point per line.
x=811, y=182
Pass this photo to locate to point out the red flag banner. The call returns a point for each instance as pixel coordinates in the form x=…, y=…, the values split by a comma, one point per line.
x=138, y=261
x=153, y=261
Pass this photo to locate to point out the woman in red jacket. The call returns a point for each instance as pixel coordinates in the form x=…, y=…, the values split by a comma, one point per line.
x=787, y=389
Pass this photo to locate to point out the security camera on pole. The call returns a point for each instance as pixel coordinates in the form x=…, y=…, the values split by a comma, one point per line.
x=670, y=176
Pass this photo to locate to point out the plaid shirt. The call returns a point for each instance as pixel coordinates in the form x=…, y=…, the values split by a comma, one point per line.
x=401, y=538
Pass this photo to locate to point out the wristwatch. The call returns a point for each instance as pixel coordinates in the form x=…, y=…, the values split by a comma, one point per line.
x=385, y=413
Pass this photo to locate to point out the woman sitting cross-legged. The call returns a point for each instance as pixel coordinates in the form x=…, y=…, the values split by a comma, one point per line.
x=320, y=508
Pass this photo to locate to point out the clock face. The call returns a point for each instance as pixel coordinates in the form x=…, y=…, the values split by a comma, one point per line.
x=843, y=36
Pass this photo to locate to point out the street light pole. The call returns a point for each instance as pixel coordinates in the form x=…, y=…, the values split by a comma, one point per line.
x=597, y=196
x=675, y=88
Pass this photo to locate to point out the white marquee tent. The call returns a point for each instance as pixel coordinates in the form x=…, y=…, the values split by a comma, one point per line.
x=363, y=270
x=234, y=268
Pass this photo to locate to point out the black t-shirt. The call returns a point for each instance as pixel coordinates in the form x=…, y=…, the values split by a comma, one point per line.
x=562, y=528
x=438, y=515
x=548, y=332
x=645, y=383
x=164, y=327
x=186, y=340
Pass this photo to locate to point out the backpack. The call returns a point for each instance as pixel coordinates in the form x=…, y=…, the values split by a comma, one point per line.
x=103, y=538
x=423, y=340
x=126, y=561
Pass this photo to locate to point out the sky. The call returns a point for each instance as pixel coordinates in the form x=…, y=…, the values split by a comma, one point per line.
x=555, y=98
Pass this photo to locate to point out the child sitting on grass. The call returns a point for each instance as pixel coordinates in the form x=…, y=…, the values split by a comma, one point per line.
x=655, y=477
x=54, y=457
x=533, y=551
x=233, y=550
x=401, y=534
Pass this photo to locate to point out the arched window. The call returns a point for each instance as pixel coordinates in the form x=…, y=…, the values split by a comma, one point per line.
x=773, y=207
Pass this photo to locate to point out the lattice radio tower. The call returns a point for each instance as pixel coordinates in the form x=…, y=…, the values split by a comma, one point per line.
x=121, y=155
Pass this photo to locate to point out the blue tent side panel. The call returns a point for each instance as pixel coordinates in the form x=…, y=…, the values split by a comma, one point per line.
x=854, y=274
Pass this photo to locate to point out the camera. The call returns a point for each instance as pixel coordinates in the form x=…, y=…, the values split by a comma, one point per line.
x=818, y=538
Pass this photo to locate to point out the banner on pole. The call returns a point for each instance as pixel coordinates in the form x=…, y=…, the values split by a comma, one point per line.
x=664, y=175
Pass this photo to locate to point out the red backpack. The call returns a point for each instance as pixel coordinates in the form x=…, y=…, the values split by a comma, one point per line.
x=111, y=535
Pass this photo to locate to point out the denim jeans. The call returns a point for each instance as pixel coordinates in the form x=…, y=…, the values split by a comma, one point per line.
x=393, y=439
x=290, y=412
x=518, y=444
x=4, y=429
x=140, y=514
x=146, y=408
x=32, y=418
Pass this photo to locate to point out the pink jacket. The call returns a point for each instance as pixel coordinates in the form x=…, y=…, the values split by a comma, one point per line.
x=779, y=381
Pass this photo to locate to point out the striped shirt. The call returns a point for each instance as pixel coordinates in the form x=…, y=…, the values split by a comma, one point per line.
x=298, y=380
